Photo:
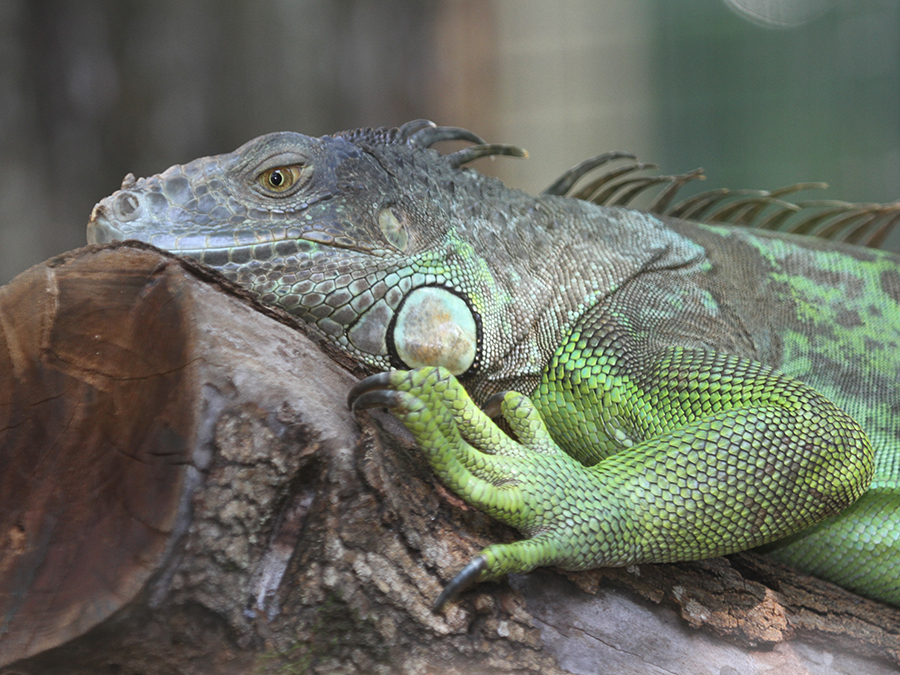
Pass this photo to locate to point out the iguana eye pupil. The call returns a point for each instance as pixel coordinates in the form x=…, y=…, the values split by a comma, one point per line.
x=281, y=178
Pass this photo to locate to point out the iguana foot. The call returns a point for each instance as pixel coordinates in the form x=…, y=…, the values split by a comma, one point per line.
x=528, y=483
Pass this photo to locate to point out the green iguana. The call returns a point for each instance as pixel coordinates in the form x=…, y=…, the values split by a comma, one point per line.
x=685, y=389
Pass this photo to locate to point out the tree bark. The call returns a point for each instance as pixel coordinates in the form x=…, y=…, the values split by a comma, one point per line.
x=256, y=526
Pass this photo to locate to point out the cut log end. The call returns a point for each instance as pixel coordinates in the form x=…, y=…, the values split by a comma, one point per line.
x=95, y=439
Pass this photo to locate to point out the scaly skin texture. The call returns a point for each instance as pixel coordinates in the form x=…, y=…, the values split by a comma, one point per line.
x=694, y=390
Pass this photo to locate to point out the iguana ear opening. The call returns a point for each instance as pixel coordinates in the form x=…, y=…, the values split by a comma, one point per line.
x=392, y=228
x=435, y=327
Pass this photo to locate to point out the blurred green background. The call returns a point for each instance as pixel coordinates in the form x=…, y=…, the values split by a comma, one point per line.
x=762, y=94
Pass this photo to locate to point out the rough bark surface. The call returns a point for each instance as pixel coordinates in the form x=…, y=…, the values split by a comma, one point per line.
x=295, y=538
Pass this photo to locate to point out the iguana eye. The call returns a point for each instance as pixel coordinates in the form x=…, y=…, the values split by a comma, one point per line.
x=281, y=178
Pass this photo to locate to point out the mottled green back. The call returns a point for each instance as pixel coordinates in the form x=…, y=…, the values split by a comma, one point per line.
x=827, y=314
x=824, y=313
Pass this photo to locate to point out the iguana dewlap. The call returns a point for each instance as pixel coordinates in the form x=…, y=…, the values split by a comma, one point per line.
x=692, y=389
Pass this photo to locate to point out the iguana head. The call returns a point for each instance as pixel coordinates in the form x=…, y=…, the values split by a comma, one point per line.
x=359, y=233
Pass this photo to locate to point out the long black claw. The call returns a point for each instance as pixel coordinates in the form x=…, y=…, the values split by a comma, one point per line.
x=492, y=405
x=461, y=582
x=382, y=398
x=371, y=383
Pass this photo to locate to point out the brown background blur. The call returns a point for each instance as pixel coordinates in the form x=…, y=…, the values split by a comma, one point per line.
x=93, y=89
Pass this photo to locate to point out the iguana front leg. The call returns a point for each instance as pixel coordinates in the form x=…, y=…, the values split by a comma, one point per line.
x=729, y=479
x=529, y=483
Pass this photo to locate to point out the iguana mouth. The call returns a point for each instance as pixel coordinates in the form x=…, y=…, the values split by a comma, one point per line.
x=126, y=207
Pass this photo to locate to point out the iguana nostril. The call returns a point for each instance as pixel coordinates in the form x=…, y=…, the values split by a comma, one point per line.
x=127, y=206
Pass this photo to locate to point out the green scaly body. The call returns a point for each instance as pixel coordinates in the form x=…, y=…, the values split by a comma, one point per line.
x=694, y=390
